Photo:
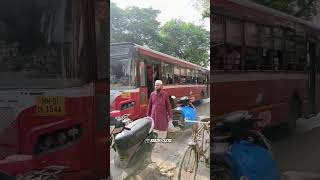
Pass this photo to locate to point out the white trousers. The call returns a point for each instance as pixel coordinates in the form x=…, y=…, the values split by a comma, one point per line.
x=161, y=134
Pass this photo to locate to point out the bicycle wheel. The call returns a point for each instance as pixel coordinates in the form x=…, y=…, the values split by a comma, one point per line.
x=189, y=164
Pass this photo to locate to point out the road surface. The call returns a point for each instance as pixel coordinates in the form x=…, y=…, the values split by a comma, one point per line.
x=163, y=165
x=299, y=152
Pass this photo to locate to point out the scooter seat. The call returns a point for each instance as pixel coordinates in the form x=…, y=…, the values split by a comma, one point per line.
x=139, y=129
x=235, y=117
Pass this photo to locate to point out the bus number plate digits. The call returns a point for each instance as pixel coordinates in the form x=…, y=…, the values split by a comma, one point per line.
x=125, y=95
x=50, y=105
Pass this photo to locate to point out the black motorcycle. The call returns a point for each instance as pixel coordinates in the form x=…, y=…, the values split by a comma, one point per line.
x=128, y=140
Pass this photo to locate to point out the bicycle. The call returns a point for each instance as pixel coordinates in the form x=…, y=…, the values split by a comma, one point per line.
x=198, y=147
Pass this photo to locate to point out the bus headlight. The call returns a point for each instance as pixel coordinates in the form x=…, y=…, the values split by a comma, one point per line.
x=127, y=105
x=56, y=139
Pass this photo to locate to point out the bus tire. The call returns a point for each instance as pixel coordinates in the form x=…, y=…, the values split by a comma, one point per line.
x=294, y=114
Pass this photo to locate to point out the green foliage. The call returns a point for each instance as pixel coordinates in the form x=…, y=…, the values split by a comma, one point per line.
x=177, y=38
x=204, y=5
x=186, y=41
x=134, y=25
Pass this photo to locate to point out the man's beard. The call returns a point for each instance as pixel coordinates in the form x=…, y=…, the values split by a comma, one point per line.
x=158, y=90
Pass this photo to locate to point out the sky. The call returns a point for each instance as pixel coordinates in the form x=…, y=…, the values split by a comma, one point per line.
x=170, y=9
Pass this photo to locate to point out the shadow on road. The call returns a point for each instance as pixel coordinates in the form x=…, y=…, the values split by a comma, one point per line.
x=277, y=133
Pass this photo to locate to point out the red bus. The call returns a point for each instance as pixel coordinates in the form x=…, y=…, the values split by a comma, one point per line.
x=134, y=69
x=264, y=61
x=53, y=87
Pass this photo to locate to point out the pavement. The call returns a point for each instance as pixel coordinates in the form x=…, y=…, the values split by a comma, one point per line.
x=298, y=155
x=162, y=164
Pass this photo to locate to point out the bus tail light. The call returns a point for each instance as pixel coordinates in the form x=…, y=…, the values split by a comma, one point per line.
x=57, y=139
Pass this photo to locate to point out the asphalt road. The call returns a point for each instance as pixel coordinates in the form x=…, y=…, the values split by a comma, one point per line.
x=299, y=152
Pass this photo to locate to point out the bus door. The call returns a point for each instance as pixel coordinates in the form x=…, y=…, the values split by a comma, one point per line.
x=143, y=92
x=311, y=76
x=153, y=74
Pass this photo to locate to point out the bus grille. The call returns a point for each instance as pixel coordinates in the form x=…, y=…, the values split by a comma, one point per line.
x=8, y=132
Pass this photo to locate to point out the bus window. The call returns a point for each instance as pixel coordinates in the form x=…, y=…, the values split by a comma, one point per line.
x=163, y=73
x=217, y=30
x=267, y=48
x=193, y=77
x=189, y=76
x=183, y=76
x=252, y=55
x=233, y=58
x=168, y=69
x=290, y=54
x=301, y=56
x=251, y=34
x=234, y=34
x=279, y=47
x=199, y=76
x=218, y=52
x=251, y=58
x=177, y=75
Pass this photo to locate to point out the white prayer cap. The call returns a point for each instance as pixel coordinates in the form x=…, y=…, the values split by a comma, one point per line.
x=158, y=82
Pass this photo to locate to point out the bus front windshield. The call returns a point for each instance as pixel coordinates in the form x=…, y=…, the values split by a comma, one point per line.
x=40, y=39
x=121, y=73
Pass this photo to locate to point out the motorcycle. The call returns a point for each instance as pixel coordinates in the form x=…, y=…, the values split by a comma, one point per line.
x=129, y=137
x=184, y=110
x=240, y=150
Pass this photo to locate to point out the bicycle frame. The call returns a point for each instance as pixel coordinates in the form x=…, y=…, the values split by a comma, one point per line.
x=195, y=132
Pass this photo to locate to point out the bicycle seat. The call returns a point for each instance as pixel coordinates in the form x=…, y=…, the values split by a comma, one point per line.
x=235, y=117
x=204, y=118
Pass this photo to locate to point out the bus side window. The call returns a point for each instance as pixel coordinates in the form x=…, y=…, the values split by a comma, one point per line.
x=177, y=74
x=163, y=73
x=169, y=73
x=183, y=76
x=188, y=80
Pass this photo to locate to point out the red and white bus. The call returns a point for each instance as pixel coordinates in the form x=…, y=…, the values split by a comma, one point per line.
x=53, y=87
x=134, y=69
x=263, y=61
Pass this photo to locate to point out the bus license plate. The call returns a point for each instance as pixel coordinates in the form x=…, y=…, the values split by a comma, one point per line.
x=125, y=95
x=50, y=105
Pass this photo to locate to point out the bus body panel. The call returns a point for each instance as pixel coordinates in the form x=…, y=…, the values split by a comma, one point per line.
x=79, y=110
x=232, y=94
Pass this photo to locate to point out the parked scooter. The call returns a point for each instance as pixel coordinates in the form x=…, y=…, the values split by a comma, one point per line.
x=240, y=150
x=183, y=111
x=127, y=138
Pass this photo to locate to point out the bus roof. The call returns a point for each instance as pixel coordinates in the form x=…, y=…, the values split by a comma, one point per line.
x=273, y=12
x=162, y=54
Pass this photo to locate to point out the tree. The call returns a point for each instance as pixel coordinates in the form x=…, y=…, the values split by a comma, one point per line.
x=305, y=9
x=177, y=38
x=204, y=6
x=133, y=24
x=186, y=41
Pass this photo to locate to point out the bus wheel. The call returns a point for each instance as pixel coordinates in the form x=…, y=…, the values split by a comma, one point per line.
x=294, y=114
